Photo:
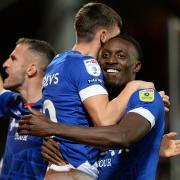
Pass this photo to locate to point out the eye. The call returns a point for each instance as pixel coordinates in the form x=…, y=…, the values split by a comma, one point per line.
x=13, y=58
x=121, y=56
x=105, y=55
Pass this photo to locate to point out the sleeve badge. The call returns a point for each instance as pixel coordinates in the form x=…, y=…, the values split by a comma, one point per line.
x=92, y=67
x=146, y=95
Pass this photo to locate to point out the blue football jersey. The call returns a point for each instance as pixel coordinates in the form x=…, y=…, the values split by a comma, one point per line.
x=22, y=158
x=141, y=159
x=70, y=79
x=108, y=164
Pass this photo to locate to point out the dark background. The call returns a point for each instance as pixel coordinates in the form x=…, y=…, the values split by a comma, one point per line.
x=145, y=20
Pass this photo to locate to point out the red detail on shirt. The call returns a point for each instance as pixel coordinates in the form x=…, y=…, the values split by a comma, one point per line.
x=26, y=105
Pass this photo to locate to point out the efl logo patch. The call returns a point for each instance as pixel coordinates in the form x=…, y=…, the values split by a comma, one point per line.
x=146, y=95
x=92, y=67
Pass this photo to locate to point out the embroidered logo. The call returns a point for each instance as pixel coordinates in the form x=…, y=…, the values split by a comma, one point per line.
x=92, y=67
x=146, y=95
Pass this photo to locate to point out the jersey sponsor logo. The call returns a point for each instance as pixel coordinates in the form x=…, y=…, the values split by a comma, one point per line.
x=51, y=79
x=146, y=95
x=92, y=67
x=21, y=138
x=105, y=162
x=17, y=136
x=94, y=80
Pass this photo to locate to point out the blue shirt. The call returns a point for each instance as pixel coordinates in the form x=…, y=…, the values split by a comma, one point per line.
x=141, y=159
x=22, y=158
x=70, y=79
x=108, y=164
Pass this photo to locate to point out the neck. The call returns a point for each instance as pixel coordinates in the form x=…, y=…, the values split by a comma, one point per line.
x=32, y=91
x=114, y=90
x=87, y=49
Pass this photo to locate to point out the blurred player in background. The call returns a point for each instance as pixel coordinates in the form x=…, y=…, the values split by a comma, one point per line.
x=25, y=69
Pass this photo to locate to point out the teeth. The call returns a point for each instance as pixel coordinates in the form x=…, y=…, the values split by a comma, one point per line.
x=111, y=71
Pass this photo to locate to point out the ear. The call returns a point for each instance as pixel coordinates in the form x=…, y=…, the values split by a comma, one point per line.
x=31, y=70
x=137, y=66
x=103, y=35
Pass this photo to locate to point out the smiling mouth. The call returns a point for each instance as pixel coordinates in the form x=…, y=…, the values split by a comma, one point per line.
x=111, y=71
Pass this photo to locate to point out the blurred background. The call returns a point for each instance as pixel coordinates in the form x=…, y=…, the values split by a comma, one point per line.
x=154, y=23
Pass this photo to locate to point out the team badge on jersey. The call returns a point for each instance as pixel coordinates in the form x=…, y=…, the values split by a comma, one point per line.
x=146, y=95
x=92, y=67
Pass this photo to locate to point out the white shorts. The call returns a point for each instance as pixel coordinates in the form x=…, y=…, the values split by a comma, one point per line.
x=86, y=168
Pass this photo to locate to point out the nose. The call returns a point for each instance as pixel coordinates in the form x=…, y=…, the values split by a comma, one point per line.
x=111, y=60
x=6, y=63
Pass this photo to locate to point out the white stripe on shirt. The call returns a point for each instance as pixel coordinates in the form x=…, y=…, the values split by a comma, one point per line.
x=146, y=114
x=91, y=91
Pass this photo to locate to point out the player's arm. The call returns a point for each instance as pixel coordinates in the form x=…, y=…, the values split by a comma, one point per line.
x=132, y=128
x=104, y=112
x=170, y=146
x=136, y=124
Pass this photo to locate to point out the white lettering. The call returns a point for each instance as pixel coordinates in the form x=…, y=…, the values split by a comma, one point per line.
x=13, y=124
x=56, y=80
x=21, y=138
x=51, y=79
x=104, y=162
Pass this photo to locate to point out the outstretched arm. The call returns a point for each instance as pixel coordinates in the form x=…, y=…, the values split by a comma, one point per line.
x=131, y=129
x=170, y=146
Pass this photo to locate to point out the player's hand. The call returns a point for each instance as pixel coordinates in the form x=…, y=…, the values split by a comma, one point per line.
x=137, y=84
x=50, y=152
x=166, y=100
x=36, y=124
x=170, y=146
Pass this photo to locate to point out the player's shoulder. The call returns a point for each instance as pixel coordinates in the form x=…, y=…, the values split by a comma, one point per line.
x=9, y=100
x=66, y=55
x=84, y=63
x=4, y=91
x=72, y=58
x=72, y=55
x=9, y=94
x=146, y=95
x=75, y=57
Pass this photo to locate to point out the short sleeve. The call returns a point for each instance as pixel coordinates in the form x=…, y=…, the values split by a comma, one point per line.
x=87, y=76
x=148, y=103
